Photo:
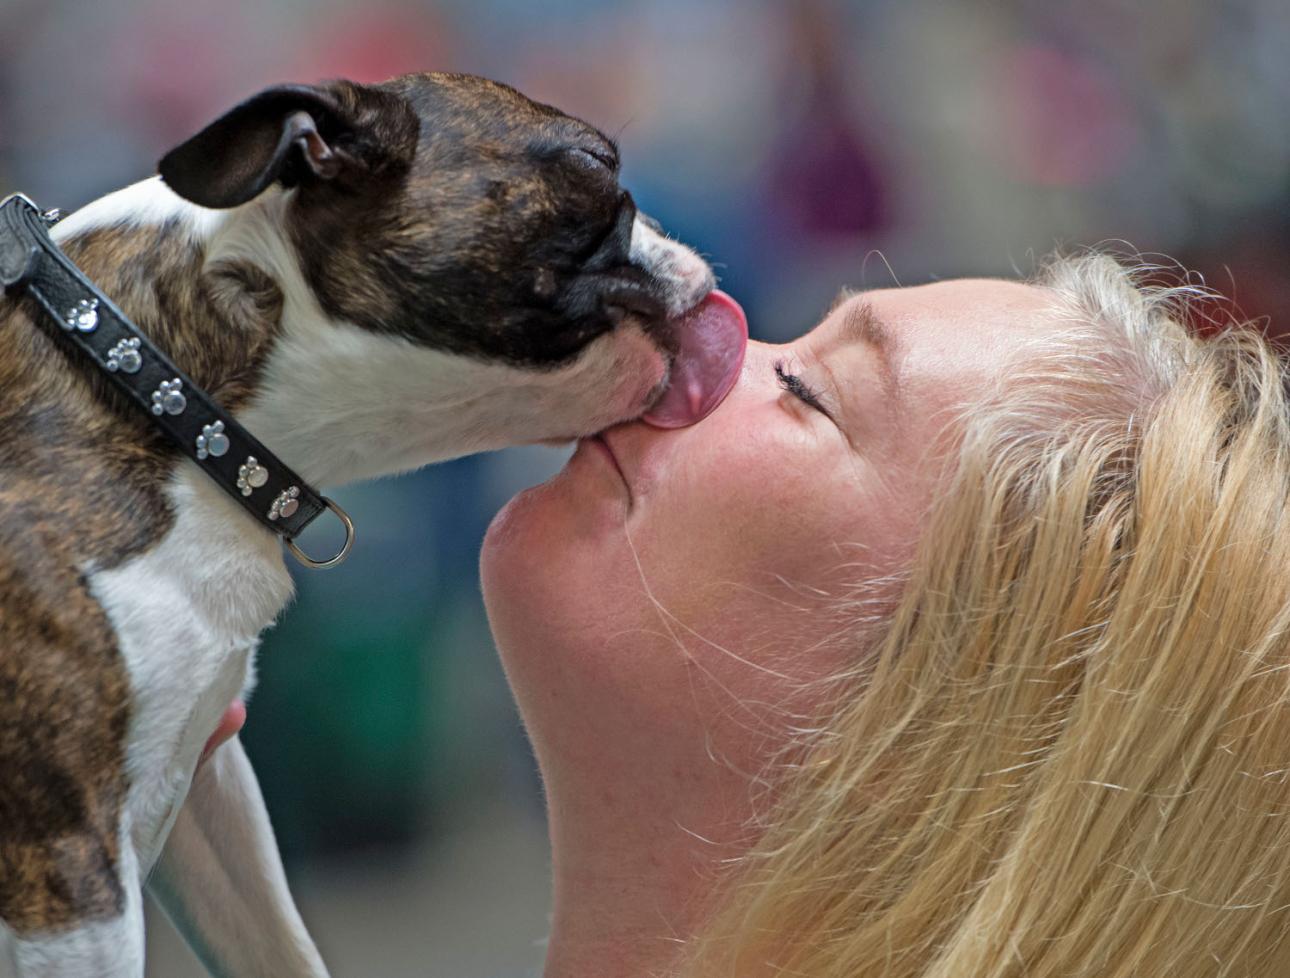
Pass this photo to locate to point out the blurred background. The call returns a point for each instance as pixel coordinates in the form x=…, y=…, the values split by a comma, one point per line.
x=800, y=146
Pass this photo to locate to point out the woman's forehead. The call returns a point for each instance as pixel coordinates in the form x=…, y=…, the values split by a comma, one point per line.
x=969, y=318
x=940, y=344
x=997, y=292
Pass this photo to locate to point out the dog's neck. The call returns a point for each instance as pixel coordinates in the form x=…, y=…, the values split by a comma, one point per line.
x=213, y=289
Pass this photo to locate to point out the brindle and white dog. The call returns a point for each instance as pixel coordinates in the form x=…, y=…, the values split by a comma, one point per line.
x=371, y=278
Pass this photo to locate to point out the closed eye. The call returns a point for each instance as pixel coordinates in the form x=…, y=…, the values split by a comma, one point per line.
x=799, y=389
x=598, y=157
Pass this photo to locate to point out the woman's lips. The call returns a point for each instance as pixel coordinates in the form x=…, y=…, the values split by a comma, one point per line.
x=601, y=444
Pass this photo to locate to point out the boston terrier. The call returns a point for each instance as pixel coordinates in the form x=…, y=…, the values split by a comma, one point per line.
x=368, y=278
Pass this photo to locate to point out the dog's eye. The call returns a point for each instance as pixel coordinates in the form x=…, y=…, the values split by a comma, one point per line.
x=596, y=158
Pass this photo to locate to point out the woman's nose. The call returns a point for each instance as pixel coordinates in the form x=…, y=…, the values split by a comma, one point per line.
x=759, y=364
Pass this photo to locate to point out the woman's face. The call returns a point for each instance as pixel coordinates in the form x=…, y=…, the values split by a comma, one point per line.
x=663, y=601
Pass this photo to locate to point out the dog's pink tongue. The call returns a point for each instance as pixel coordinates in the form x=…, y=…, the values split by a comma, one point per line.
x=713, y=336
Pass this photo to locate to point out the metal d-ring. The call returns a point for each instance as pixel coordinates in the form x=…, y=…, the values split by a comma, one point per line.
x=308, y=561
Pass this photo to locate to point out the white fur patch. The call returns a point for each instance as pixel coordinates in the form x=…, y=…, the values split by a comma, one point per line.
x=148, y=202
x=187, y=616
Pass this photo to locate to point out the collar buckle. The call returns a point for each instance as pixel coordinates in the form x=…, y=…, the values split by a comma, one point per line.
x=50, y=217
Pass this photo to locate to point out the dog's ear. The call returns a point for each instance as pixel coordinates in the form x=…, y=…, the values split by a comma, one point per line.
x=293, y=133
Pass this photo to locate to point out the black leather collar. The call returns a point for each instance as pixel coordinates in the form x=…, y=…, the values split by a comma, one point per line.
x=32, y=264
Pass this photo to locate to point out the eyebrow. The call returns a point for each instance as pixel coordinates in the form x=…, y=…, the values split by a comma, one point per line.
x=861, y=324
x=844, y=293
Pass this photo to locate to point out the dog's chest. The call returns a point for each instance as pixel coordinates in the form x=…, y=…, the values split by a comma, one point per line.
x=187, y=614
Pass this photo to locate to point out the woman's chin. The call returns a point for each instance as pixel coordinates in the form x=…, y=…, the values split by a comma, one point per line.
x=581, y=506
x=509, y=544
x=548, y=540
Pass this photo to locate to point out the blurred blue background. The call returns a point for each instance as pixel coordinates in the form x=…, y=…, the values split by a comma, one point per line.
x=799, y=145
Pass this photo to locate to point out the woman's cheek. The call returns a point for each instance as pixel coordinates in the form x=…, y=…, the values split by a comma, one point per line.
x=731, y=531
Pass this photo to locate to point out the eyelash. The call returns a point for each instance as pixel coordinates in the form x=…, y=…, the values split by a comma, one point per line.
x=798, y=387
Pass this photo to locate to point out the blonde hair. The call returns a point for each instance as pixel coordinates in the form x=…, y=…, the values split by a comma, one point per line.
x=1069, y=751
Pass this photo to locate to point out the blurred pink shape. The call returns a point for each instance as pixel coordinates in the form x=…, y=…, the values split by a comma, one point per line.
x=824, y=178
x=1065, y=121
x=175, y=64
x=375, y=43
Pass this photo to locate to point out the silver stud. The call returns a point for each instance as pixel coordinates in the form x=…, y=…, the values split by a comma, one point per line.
x=83, y=316
x=286, y=503
x=168, y=398
x=251, y=475
x=125, y=357
x=212, y=440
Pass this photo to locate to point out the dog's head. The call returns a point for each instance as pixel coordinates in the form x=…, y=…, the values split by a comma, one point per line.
x=456, y=214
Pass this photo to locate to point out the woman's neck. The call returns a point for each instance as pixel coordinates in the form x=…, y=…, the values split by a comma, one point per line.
x=636, y=873
x=622, y=913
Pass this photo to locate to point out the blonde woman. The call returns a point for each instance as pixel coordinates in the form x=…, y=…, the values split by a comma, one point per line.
x=952, y=645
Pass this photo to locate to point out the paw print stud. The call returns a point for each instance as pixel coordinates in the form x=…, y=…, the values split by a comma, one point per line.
x=168, y=398
x=125, y=357
x=286, y=503
x=212, y=440
x=251, y=475
x=83, y=316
